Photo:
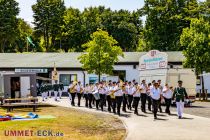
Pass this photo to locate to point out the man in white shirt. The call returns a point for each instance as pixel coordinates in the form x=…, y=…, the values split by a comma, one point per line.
x=86, y=91
x=161, y=89
x=149, y=100
x=118, y=96
x=167, y=94
x=101, y=91
x=136, y=97
x=72, y=91
x=143, y=96
x=79, y=89
x=130, y=95
x=108, y=97
x=155, y=95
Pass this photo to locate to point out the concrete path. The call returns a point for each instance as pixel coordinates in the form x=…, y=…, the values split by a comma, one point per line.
x=144, y=127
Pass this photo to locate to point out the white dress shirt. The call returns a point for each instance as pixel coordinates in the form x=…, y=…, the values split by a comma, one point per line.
x=119, y=91
x=155, y=93
x=135, y=93
x=144, y=88
x=167, y=93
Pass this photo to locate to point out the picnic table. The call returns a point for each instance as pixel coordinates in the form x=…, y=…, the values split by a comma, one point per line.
x=20, y=102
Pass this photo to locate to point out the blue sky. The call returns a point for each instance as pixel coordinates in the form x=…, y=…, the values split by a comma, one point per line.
x=27, y=14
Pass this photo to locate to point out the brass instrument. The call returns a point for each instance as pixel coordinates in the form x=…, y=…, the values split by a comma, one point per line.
x=81, y=90
x=72, y=89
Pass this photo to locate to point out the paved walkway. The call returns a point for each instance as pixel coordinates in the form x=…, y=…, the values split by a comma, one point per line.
x=144, y=127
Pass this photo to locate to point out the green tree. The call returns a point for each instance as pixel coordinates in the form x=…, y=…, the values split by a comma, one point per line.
x=165, y=22
x=101, y=53
x=8, y=23
x=48, y=19
x=196, y=39
x=73, y=31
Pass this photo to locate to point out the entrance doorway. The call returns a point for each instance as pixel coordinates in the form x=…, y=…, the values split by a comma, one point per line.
x=15, y=87
x=121, y=74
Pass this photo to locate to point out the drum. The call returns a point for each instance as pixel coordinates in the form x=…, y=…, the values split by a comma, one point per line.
x=96, y=96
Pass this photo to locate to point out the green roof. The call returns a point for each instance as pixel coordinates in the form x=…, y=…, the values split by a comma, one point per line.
x=65, y=60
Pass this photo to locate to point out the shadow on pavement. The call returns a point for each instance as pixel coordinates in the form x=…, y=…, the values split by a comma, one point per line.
x=186, y=118
x=161, y=119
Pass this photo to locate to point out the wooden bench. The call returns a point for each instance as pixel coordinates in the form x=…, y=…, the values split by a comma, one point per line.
x=10, y=104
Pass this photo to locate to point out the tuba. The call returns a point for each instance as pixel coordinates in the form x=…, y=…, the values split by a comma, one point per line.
x=72, y=89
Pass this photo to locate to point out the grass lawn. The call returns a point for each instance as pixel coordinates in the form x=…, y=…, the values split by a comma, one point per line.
x=74, y=124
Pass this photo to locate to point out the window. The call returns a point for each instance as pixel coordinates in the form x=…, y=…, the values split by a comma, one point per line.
x=65, y=79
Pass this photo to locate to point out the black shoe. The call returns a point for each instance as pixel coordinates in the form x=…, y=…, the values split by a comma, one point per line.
x=180, y=117
x=155, y=118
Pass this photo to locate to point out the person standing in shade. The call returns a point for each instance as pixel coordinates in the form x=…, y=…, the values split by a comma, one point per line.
x=143, y=96
x=167, y=94
x=149, y=100
x=136, y=97
x=56, y=89
x=180, y=94
x=118, y=96
x=130, y=95
x=155, y=95
x=79, y=89
x=61, y=88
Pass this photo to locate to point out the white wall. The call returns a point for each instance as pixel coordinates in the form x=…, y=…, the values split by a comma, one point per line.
x=131, y=73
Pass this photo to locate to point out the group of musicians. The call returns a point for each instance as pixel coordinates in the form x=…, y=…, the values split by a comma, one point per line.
x=127, y=95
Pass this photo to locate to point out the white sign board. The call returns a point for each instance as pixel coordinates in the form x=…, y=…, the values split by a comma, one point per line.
x=154, y=59
x=31, y=70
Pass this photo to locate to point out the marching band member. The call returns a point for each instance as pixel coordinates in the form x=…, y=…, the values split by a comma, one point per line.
x=130, y=94
x=125, y=96
x=136, y=97
x=95, y=92
x=86, y=91
x=143, y=96
x=118, y=96
x=72, y=91
x=79, y=90
x=155, y=95
x=113, y=99
x=180, y=93
x=108, y=97
x=149, y=100
x=90, y=95
x=161, y=98
x=167, y=94
x=101, y=91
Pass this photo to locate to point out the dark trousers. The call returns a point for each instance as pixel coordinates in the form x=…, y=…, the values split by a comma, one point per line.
x=130, y=99
x=102, y=101
x=125, y=102
x=168, y=104
x=97, y=103
x=72, y=98
x=143, y=102
x=86, y=100
x=90, y=98
x=136, y=103
x=119, y=102
x=113, y=105
x=79, y=95
x=155, y=104
x=159, y=105
x=149, y=100
x=108, y=98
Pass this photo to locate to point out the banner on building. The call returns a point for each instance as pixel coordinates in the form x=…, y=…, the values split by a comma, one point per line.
x=154, y=59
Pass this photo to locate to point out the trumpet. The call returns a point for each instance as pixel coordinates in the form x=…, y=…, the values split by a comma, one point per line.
x=72, y=89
